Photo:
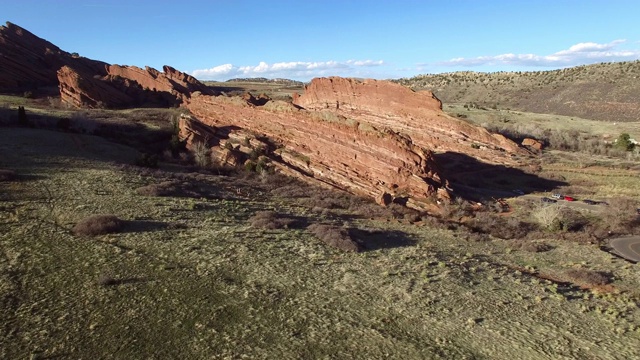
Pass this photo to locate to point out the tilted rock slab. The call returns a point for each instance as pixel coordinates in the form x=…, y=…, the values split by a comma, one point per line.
x=125, y=86
x=369, y=137
x=348, y=157
x=417, y=115
x=28, y=62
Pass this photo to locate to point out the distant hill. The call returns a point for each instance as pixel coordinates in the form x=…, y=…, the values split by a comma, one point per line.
x=606, y=91
x=287, y=82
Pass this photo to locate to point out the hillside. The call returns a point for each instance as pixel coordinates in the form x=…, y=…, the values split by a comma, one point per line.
x=607, y=91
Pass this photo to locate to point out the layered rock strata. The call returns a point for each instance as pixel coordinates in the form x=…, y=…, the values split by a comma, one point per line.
x=418, y=115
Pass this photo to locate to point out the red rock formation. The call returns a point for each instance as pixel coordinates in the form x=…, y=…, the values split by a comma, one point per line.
x=418, y=115
x=342, y=155
x=28, y=62
x=367, y=137
x=171, y=80
x=124, y=86
x=532, y=143
x=86, y=91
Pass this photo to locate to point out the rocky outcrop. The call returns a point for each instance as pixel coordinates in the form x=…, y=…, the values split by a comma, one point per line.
x=342, y=155
x=416, y=114
x=125, y=86
x=81, y=90
x=532, y=143
x=28, y=62
x=372, y=138
x=171, y=80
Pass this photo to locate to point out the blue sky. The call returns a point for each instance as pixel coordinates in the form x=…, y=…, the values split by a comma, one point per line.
x=304, y=39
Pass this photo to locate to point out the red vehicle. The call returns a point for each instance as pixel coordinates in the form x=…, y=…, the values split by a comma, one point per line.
x=569, y=198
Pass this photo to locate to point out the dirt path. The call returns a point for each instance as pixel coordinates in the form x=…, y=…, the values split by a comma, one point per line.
x=627, y=247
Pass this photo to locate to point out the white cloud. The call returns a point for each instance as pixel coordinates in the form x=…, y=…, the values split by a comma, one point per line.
x=292, y=70
x=578, y=54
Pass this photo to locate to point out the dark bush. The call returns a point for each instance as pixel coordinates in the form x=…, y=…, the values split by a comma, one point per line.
x=147, y=160
x=270, y=220
x=7, y=175
x=534, y=247
x=503, y=227
x=167, y=188
x=335, y=236
x=98, y=225
x=22, y=116
x=64, y=124
x=585, y=277
x=621, y=215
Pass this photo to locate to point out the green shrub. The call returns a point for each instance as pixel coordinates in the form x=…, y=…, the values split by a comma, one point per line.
x=624, y=142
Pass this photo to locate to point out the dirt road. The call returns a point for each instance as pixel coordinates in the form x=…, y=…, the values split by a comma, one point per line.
x=628, y=247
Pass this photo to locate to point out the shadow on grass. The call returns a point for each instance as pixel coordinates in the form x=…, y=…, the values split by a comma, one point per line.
x=476, y=180
x=136, y=226
x=372, y=240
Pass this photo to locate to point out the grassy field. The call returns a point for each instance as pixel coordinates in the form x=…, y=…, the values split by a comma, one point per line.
x=189, y=277
x=527, y=121
x=274, y=90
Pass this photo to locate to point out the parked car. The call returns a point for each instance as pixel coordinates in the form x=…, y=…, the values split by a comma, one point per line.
x=590, y=202
x=518, y=192
x=547, y=200
x=569, y=198
x=556, y=196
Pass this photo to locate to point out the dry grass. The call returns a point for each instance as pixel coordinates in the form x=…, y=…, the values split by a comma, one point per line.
x=98, y=225
x=335, y=236
x=585, y=91
x=501, y=227
x=621, y=215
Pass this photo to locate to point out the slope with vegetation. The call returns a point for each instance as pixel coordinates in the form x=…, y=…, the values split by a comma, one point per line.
x=606, y=91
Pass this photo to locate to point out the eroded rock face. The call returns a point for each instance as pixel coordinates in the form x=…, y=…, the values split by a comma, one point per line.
x=418, y=115
x=340, y=155
x=125, y=86
x=373, y=138
x=28, y=62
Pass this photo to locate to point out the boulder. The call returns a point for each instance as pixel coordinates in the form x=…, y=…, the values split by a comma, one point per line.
x=532, y=143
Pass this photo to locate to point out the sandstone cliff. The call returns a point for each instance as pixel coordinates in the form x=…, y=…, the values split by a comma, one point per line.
x=373, y=138
x=418, y=115
x=28, y=62
x=340, y=154
x=124, y=86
